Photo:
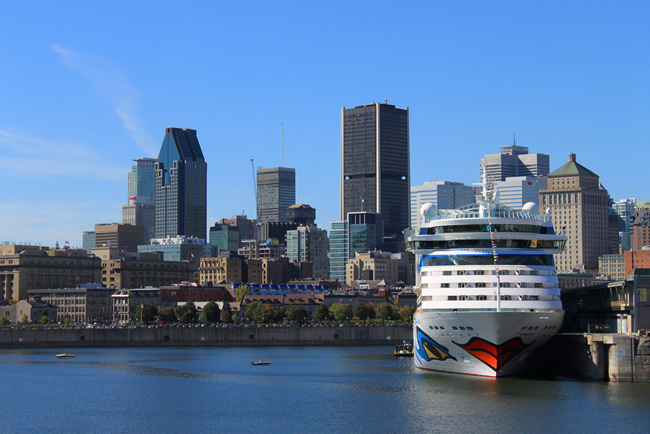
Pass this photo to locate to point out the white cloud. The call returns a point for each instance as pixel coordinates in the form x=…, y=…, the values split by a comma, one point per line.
x=113, y=84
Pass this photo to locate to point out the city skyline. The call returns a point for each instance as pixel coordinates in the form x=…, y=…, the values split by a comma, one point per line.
x=80, y=101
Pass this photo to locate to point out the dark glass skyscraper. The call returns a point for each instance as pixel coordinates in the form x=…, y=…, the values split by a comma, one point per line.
x=181, y=186
x=375, y=166
x=276, y=191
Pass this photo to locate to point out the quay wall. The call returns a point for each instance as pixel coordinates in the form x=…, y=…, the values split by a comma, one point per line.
x=206, y=336
x=599, y=357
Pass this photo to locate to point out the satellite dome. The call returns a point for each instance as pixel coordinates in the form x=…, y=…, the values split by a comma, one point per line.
x=428, y=210
x=531, y=207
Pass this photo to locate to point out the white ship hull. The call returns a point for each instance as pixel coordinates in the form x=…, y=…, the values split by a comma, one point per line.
x=488, y=344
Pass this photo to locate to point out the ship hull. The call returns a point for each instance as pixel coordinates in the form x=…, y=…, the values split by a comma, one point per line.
x=487, y=344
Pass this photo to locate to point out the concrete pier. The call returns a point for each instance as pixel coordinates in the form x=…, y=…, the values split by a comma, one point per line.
x=208, y=336
x=599, y=357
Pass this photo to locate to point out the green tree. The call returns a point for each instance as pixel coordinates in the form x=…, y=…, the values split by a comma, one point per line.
x=145, y=313
x=252, y=312
x=24, y=319
x=4, y=320
x=186, y=313
x=242, y=291
x=225, y=314
x=271, y=314
x=211, y=313
x=406, y=313
x=341, y=312
x=67, y=320
x=297, y=314
x=386, y=311
x=322, y=313
x=44, y=319
x=167, y=314
x=363, y=311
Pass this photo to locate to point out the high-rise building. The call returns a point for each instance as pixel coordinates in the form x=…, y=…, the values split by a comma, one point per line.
x=276, y=191
x=375, y=174
x=579, y=208
x=225, y=237
x=125, y=238
x=442, y=194
x=309, y=244
x=361, y=232
x=141, y=208
x=517, y=191
x=624, y=209
x=141, y=179
x=181, y=186
x=514, y=161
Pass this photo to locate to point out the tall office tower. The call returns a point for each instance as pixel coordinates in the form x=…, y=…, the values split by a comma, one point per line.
x=181, y=186
x=517, y=191
x=514, y=161
x=309, y=244
x=579, y=208
x=276, y=191
x=375, y=171
x=141, y=179
x=361, y=232
x=225, y=237
x=243, y=224
x=624, y=208
x=141, y=208
x=442, y=194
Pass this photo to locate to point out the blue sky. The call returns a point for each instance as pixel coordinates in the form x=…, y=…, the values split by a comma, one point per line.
x=86, y=87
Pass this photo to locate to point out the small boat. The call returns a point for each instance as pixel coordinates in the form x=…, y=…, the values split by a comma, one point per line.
x=65, y=356
x=404, y=350
x=260, y=363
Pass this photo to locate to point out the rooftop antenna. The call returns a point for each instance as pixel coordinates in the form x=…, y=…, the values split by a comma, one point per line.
x=282, y=156
x=514, y=139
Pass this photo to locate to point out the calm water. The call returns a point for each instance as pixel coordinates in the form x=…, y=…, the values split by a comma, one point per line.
x=315, y=390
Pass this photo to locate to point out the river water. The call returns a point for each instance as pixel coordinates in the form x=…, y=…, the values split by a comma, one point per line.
x=306, y=389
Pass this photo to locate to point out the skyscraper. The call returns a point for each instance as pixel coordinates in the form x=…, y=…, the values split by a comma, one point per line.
x=375, y=171
x=181, y=186
x=361, y=232
x=514, y=161
x=276, y=191
x=141, y=208
x=579, y=208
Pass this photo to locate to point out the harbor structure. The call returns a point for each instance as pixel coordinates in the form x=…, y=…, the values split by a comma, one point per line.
x=375, y=167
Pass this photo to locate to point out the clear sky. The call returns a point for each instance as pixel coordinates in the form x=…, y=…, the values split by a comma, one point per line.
x=86, y=87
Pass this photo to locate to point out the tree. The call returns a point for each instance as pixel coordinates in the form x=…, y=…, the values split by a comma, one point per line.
x=363, y=311
x=67, y=320
x=211, y=313
x=322, y=313
x=186, y=313
x=406, y=313
x=225, y=315
x=271, y=314
x=385, y=311
x=4, y=320
x=242, y=291
x=145, y=313
x=341, y=312
x=167, y=314
x=297, y=314
x=24, y=319
x=252, y=312
x=44, y=319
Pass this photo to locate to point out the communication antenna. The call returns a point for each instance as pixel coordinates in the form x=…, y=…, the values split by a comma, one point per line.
x=282, y=156
x=514, y=139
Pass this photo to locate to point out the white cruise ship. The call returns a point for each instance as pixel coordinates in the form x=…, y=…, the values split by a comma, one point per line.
x=488, y=294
